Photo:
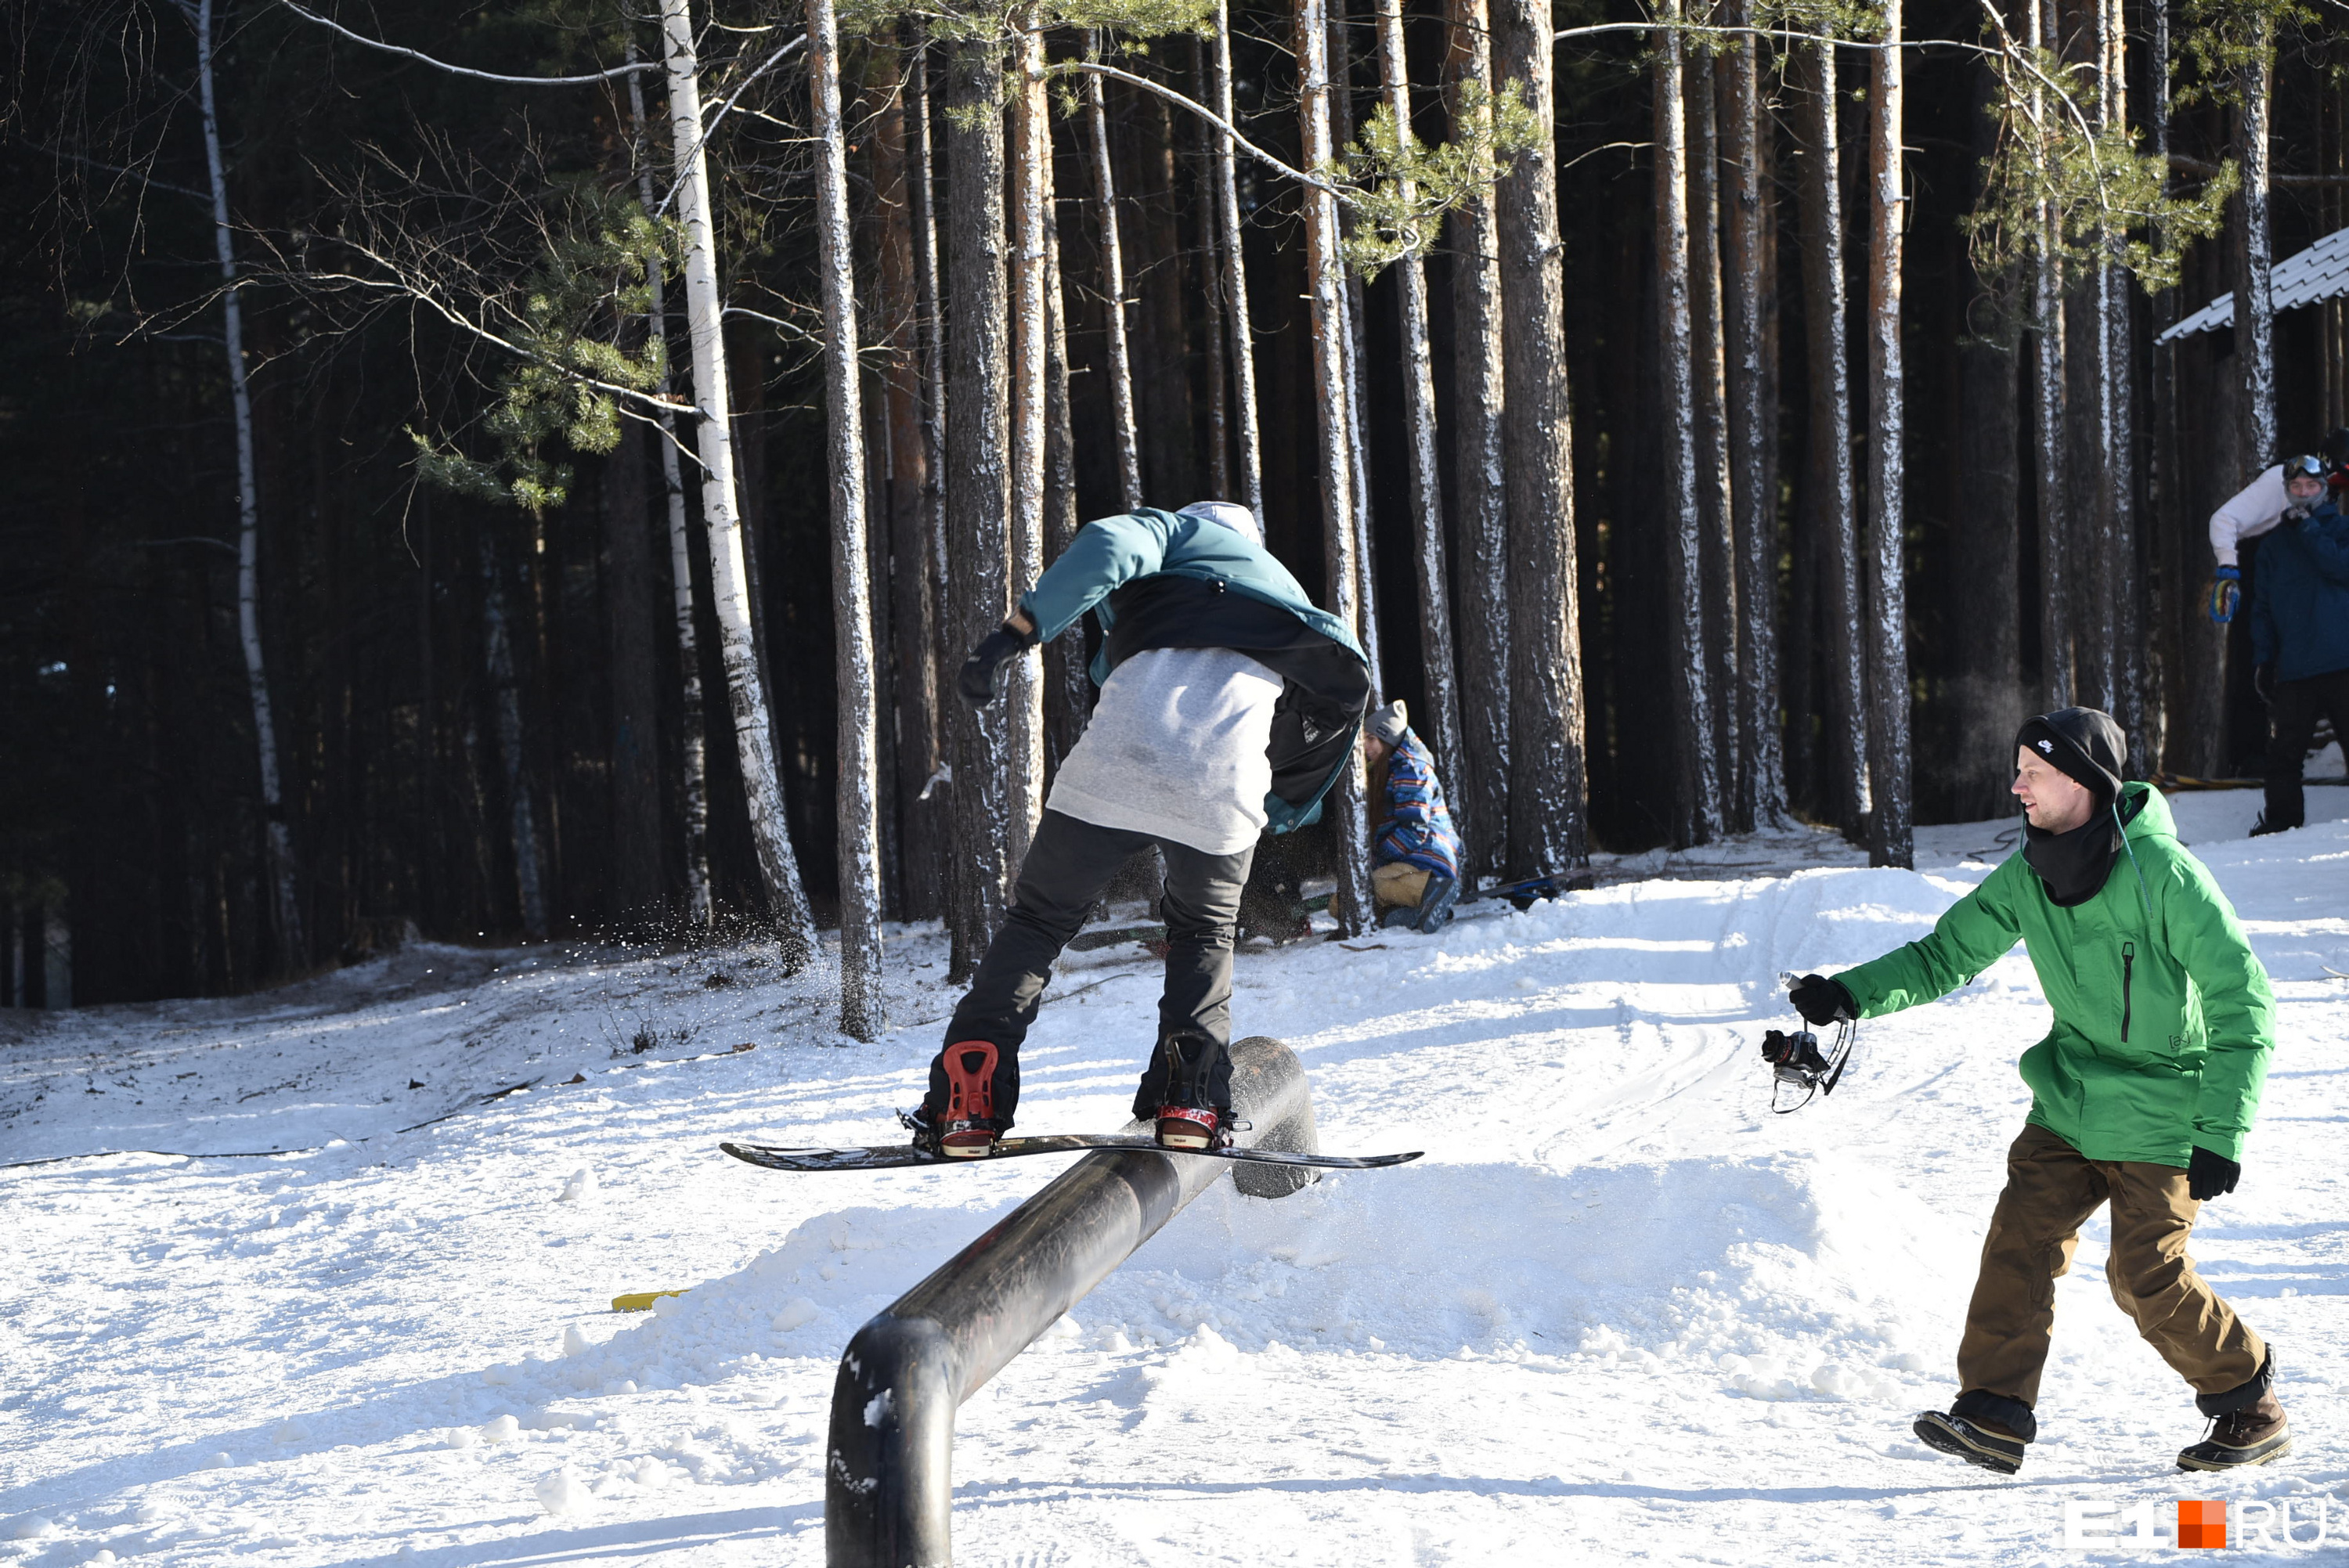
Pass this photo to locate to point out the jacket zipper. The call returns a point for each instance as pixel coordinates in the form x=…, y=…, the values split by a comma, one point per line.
x=2129, y=970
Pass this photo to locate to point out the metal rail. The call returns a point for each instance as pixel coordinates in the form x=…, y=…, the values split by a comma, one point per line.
x=888, y=1472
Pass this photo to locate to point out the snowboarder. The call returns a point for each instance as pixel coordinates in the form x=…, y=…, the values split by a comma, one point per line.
x=2142, y=1094
x=2255, y=510
x=1414, y=851
x=2299, y=636
x=1229, y=704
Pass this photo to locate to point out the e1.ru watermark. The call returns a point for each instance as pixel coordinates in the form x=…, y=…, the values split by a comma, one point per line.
x=2206, y=1526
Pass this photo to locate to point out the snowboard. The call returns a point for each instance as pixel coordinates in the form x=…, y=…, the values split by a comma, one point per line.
x=892, y=1156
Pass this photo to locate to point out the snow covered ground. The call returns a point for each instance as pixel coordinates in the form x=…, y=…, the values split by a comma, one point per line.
x=1618, y=1314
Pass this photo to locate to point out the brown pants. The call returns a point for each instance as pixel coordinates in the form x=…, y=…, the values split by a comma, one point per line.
x=2050, y=1188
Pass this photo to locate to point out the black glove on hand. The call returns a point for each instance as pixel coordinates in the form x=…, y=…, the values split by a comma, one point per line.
x=1821, y=1001
x=978, y=677
x=2209, y=1174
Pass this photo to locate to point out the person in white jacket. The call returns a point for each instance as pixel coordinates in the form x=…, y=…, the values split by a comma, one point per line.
x=2254, y=510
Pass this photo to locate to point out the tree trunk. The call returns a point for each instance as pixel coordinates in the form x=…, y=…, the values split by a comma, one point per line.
x=1068, y=690
x=2057, y=672
x=1824, y=306
x=978, y=502
x=1325, y=286
x=1426, y=473
x=283, y=874
x=912, y=613
x=1211, y=283
x=1891, y=843
x=778, y=865
x=1113, y=263
x=1696, y=805
x=930, y=326
x=635, y=835
x=857, y=760
x=1031, y=187
x=1760, y=797
x=522, y=820
x=694, y=783
x=1549, y=803
x=2254, y=295
x=1230, y=241
x=1481, y=779
x=2123, y=491
x=1716, y=536
x=1366, y=567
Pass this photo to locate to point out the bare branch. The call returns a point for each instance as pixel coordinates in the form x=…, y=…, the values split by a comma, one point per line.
x=1093, y=68
x=333, y=26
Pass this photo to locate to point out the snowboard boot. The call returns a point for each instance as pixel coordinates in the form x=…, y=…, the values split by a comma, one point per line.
x=1188, y=1119
x=2254, y=1435
x=966, y=1128
x=1435, y=904
x=1980, y=1429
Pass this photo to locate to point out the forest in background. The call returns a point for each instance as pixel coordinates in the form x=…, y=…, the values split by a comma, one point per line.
x=1687, y=467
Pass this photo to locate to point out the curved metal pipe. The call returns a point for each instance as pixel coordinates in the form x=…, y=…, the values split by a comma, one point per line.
x=889, y=1471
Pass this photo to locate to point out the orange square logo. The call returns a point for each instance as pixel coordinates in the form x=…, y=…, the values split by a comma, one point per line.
x=2202, y=1524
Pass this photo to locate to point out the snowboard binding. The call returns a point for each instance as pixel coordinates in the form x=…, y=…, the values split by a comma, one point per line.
x=1797, y=1063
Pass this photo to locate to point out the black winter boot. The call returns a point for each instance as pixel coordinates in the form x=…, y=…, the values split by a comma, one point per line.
x=1982, y=1428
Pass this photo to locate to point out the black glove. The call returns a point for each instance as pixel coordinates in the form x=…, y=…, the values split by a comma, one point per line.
x=2209, y=1174
x=978, y=677
x=1821, y=1001
x=2263, y=682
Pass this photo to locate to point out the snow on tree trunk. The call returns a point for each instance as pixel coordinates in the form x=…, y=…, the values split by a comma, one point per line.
x=1229, y=244
x=978, y=502
x=931, y=325
x=753, y=736
x=1031, y=186
x=1366, y=566
x=522, y=820
x=284, y=874
x=2057, y=672
x=2254, y=292
x=1548, y=793
x=1696, y=806
x=1716, y=541
x=693, y=790
x=857, y=760
x=1068, y=690
x=1443, y=717
x=1887, y=616
x=1112, y=263
x=1760, y=799
x=1326, y=288
x=1480, y=480
x=1829, y=361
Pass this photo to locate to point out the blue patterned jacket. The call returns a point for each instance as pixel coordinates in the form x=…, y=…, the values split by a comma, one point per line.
x=1417, y=827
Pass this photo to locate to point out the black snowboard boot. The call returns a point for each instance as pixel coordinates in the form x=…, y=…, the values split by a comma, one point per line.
x=1190, y=1116
x=2254, y=1435
x=1980, y=1429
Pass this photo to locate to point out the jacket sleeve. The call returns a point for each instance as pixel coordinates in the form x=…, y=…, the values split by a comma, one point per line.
x=2238, y=1004
x=1974, y=933
x=2251, y=511
x=2325, y=537
x=2263, y=616
x=1104, y=556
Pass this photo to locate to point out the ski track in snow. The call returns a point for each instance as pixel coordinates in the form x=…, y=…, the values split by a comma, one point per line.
x=1619, y=1313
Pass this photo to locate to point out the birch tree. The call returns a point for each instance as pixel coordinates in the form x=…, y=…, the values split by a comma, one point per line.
x=1480, y=476
x=2254, y=289
x=1890, y=841
x=1696, y=809
x=693, y=783
x=1716, y=542
x=721, y=516
x=1031, y=183
x=859, y=804
x=1419, y=423
x=1232, y=252
x=1326, y=288
x=1548, y=830
x=278, y=835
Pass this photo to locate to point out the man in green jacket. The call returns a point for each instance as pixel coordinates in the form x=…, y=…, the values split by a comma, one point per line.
x=2141, y=1096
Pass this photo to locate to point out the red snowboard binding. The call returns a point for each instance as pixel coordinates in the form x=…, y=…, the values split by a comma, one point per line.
x=968, y=1128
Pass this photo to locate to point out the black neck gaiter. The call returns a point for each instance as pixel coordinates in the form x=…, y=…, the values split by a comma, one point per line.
x=2073, y=865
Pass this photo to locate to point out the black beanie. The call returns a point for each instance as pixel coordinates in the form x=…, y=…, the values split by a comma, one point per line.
x=2082, y=743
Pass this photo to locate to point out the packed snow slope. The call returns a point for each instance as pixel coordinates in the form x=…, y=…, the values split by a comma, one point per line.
x=1619, y=1313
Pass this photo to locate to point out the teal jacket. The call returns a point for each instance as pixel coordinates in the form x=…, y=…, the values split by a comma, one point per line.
x=2163, y=1017
x=1172, y=573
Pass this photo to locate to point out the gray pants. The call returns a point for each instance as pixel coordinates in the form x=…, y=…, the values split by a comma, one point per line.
x=1068, y=863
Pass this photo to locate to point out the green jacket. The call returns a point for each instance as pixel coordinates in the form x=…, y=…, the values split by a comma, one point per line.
x=2164, y=1018
x=1325, y=675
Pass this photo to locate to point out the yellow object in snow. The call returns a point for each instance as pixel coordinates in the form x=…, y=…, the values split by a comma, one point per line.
x=640, y=1301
